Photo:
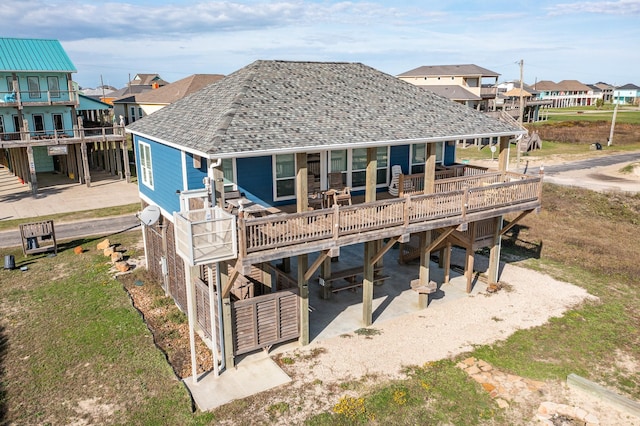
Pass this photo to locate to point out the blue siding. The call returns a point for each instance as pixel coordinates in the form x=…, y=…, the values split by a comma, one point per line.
x=255, y=179
x=449, y=154
x=400, y=156
x=195, y=176
x=167, y=175
x=43, y=161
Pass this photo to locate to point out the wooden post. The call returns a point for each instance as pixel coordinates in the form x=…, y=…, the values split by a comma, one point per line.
x=468, y=269
x=302, y=187
x=118, y=156
x=303, y=289
x=227, y=326
x=430, y=169
x=425, y=257
x=33, y=179
x=369, y=246
x=425, y=237
x=325, y=272
x=367, y=283
x=447, y=263
x=125, y=159
x=85, y=163
x=302, y=205
x=503, y=153
x=494, y=253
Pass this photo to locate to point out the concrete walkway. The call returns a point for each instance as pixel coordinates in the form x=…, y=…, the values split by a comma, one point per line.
x=59, y=194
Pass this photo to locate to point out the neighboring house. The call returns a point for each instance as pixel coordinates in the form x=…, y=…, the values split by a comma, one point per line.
x=137, y=106
x=153, y=80
x=39, y=128
x=566, y=93
x=467, y=84
x=606, y=89
x=508, y=100
x=269, y=139
x=125, y=93
x=94, y=113
x=629, y=94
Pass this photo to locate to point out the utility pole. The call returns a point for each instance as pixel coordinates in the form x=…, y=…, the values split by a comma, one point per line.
x=613, y=124
x=521, y=113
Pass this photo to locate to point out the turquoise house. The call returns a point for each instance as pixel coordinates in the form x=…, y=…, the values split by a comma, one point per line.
x=39, y=109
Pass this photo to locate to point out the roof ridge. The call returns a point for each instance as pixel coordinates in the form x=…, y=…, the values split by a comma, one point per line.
x=225, y=123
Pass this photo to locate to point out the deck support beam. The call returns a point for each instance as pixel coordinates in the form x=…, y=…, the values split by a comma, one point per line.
x=503, y=153
x=302, y=204
x=369, y=246
x=468, y=265
x=494, y=252
x=227, y=326
x=303, y=291
x=514, y=222
x=33, y=179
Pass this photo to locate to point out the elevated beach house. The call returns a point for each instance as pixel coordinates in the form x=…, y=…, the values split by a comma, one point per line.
x=297, y=160
x=41, y=126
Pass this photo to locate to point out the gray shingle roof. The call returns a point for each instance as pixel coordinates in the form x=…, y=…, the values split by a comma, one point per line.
x=450, y=70
x=453, y=92
x=279, y=105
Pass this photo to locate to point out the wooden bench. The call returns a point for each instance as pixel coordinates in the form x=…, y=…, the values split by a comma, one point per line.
x=38, y=237
x=351, y=276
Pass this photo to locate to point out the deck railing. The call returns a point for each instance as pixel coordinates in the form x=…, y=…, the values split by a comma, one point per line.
x=61, y=136
x=461, y=197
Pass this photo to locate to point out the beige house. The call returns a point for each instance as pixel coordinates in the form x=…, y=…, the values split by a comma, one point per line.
x=467, y=84
x=135, y=106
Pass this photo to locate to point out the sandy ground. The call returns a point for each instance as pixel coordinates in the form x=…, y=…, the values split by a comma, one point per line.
x=528, y=299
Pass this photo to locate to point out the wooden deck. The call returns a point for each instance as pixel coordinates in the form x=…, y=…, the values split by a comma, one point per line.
x=457, y=201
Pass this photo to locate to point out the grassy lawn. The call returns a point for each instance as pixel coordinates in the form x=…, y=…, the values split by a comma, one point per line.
x=622, y=117
x=550, y=151
x=73, y=350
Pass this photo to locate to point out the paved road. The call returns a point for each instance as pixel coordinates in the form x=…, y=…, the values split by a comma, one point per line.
x=587, y=164
x=64, y=231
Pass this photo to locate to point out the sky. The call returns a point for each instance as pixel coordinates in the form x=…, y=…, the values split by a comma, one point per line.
x=112, y=40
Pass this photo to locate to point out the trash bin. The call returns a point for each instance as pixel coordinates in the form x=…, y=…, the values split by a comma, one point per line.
x=9, y=262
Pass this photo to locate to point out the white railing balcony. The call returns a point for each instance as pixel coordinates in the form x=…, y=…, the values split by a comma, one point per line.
x=206, y=236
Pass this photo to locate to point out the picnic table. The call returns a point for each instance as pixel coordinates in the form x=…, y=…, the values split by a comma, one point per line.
x=351, y=276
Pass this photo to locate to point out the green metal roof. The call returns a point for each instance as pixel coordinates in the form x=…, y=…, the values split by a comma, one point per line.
x=24, y=54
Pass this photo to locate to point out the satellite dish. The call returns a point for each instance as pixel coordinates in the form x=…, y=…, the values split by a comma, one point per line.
x=150, y=215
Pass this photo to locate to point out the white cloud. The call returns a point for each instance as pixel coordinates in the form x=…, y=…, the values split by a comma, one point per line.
x=620, y=7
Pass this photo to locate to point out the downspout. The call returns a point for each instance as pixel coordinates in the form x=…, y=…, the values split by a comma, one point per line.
x=209, y=182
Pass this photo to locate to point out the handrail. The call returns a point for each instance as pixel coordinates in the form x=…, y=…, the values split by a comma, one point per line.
x=282, y=230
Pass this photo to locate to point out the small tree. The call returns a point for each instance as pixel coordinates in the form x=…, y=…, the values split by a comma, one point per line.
x=599, y=103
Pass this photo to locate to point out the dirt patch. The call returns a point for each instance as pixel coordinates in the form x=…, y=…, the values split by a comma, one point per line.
x=167, y=323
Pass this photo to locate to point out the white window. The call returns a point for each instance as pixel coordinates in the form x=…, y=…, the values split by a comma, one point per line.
x=418, y=156
x=284, y=167
x=146, y=167
x=34, y=87
x=54, y=86
x=229, y=172
x=353, y=166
